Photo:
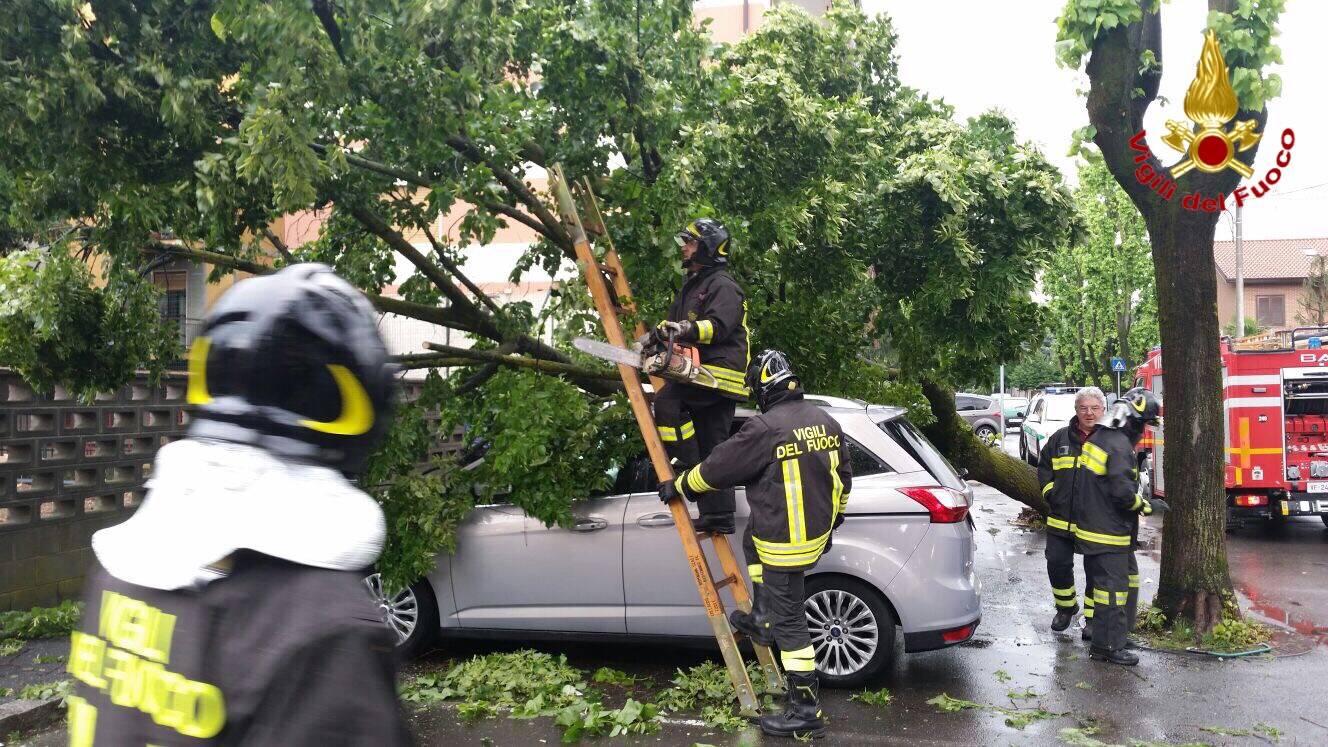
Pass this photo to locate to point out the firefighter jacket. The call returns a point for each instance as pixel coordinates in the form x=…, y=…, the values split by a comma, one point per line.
x=275, y=653
x=794, y=461
x=717, y=309
x=1058, y=474
x=1105, y=511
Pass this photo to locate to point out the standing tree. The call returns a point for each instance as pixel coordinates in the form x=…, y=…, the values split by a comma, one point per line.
x=1314, y=294
x=1101, y=295
x=1122, y=41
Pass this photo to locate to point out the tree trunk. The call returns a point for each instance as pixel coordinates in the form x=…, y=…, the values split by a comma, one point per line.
x=956, y=440
x=1194, y=578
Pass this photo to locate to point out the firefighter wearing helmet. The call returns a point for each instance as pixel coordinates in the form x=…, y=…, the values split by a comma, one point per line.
x=1105, y=519
x=793, y=458
x=710, y=313
x=230, y=608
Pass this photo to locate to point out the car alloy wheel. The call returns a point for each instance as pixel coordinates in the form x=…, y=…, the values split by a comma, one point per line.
x=401, y=613
x=844, y=631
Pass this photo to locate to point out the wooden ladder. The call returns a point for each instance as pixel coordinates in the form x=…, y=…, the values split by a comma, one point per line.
x=600, y=272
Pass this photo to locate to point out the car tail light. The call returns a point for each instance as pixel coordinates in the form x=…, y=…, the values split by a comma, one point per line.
x=958, y=634
x=946, y=506
x=1251, y=500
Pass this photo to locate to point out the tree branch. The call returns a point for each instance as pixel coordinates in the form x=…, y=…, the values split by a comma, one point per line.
x=546, y=366
x=323, y=9
x=278, y=244
x=455, y=271
x=430, y=360
x=518, y=188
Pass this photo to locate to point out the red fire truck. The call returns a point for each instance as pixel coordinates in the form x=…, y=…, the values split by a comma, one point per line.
x=1275, y=407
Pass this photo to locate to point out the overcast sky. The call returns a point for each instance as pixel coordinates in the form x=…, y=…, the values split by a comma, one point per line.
x=980, y=54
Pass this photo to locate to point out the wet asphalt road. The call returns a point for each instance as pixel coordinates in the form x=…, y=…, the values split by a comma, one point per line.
x=1169, y=698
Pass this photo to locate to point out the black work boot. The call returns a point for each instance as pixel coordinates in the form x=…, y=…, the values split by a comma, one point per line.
x=1118, y=656
x=1087, y=634
x=802, y=710
x=755, y=624
x=720, y=523
x=1064, y=616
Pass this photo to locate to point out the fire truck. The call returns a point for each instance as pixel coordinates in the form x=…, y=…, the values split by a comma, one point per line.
x=1275, y=413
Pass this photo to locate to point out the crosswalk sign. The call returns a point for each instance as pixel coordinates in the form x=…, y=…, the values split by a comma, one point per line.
x=1118, y=364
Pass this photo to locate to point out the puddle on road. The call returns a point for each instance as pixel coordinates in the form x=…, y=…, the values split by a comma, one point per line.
x=1275, y=612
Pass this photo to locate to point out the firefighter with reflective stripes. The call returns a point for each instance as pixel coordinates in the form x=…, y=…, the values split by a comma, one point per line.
x=793, y=458
x=709, y=313
x=1058, y=475
x=1105, y=519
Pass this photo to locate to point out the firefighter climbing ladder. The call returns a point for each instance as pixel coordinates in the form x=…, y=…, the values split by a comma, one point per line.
x=610, y=303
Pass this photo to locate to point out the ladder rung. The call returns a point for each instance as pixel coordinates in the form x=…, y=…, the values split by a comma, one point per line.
x=725, y=582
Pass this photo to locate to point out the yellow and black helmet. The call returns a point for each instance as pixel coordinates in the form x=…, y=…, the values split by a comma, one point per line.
x=1136, y=408
x=712, y=240
x=293, y=363
x=770, y=377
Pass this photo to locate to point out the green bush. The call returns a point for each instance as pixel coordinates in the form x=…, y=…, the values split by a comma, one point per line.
x=41, y=622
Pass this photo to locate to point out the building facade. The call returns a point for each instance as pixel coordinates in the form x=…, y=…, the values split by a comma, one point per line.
x=1275, y=275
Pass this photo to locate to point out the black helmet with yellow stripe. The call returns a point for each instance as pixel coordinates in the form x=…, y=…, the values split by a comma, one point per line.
x=712, y=241
x=770, y=377
x=293, y=363
x=1135, y=409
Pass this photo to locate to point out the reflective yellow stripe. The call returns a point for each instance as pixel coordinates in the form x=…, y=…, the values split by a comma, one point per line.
x=1094, y=458
x=1047, y=488
x=1063, y=592
x=1088, y=599
x=705, y=331
x=802, y=660
x=1066, y=462
x=1138, y=502
x=696, y=482
x=1119, y=540
x=680, y=484
x=756, y=572
x=666, y=434
x=1147, y=507
x=797, y=523
x=1056, y=523
x=1134, y=581
x=1122, y=597
x=726, y=373
x=1088, y=610
x=1101, y=597
x=1065, y=603
x=790, y=553
x=836, y=487
x=687, y=430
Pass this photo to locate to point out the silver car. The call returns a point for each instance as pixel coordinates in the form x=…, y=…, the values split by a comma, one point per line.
x=983, y=414
x=903, y=558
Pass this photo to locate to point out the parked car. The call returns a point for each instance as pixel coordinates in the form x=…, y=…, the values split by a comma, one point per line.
x=1014, y=408
x=982, y=413
x=903, y=558
x=1047, y=414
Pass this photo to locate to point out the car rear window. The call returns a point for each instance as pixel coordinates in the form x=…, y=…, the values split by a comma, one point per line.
x=911, y=440
x=864, y=462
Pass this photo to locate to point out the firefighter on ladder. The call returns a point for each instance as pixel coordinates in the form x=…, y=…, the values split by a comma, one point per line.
x=1106, y=521
x=1059, y=477
x=710, y=313
x=793, y=458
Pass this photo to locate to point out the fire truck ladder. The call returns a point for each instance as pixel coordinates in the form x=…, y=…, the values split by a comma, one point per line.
x=611, y=302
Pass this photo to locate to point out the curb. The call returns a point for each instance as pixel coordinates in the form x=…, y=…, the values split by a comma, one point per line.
x=30, y=715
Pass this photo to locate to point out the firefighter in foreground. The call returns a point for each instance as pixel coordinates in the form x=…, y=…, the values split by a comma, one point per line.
x=1058, y=474
x=794, y=461
x=1106, y=516
x=230, y=608
x=710, y=313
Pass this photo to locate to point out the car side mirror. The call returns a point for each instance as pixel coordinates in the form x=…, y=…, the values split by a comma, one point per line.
x=962, y=472
x=1019, y=414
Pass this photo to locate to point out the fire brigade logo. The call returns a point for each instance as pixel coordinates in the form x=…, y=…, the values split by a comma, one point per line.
x=1211, y=103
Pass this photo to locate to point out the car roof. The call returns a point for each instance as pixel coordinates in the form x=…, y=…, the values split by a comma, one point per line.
x=842, y=406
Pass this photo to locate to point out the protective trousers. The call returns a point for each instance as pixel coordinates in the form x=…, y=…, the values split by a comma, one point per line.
x=786, y=599
x=1131, y=603
x=1060, y=571
x=1110, y=573
x=692, y=421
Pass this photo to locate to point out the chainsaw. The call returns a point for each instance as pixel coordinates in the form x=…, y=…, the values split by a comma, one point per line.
x=667, y=360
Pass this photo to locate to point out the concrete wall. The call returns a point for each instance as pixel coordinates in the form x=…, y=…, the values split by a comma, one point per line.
x=67, y=469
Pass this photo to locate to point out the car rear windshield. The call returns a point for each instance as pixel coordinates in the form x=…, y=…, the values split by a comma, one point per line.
x=910, y=439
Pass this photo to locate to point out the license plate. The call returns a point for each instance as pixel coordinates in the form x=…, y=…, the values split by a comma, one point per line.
x=1317, y=486
x=1323, y=507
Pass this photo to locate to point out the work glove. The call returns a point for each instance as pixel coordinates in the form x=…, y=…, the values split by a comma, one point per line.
x=676, y=488
x=838, y=520
x=1155, y=506
x=676, y=330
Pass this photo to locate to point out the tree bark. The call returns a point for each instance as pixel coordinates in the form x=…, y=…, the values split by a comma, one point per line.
x=956, y=440
x=1195, y=578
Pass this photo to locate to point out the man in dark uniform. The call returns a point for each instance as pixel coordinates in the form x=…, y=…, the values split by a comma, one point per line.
x=1058, y=475
x=709, y=313
x=1105, y=519
x=230, y=608
x=793, y=458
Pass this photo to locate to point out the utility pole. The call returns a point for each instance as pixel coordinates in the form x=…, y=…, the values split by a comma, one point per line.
x=1240, y=279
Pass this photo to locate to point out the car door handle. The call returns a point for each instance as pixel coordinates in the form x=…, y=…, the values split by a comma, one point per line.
x=593, y=524
x=656, y=520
